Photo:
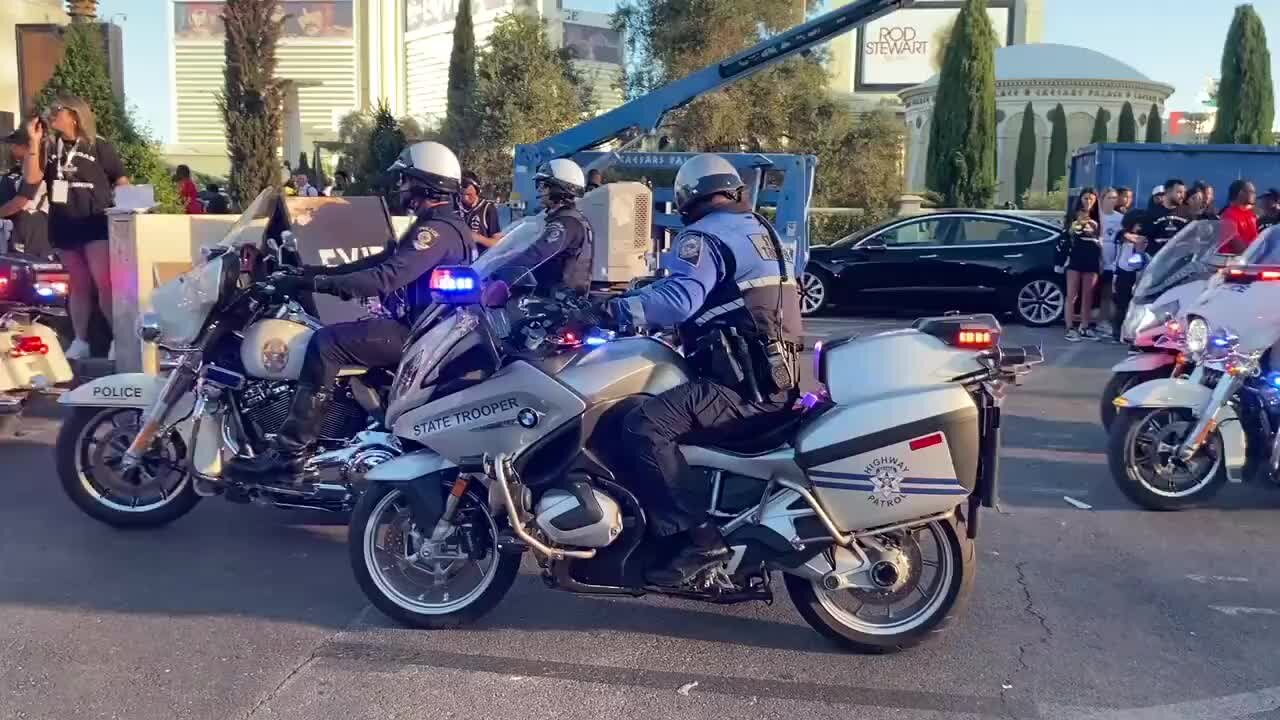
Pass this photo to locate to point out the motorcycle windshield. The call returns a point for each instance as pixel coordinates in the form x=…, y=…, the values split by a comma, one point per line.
x=1192, y=253
x=1265, y=250
x=251, y=227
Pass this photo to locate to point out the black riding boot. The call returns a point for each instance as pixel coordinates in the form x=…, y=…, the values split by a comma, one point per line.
x=706, y=547
x=288, y=452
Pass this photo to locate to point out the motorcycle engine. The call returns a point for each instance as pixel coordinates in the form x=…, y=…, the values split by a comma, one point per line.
x=266, y=405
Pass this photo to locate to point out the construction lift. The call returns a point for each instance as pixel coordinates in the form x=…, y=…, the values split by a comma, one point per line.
x=617, y=211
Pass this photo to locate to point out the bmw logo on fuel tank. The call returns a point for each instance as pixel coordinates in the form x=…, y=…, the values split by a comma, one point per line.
x=527, y=418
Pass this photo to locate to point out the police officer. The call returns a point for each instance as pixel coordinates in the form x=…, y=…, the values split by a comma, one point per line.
x=429, y=176
x=732, y=295
x=25, y=204
x=562, y=255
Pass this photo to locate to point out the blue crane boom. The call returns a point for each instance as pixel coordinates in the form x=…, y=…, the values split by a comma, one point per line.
x=645, y=113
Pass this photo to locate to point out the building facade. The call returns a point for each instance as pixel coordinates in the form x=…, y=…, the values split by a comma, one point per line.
x=1082, y=81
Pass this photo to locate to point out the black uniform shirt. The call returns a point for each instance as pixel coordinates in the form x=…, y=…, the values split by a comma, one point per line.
x=30, y=224
x=482, y=218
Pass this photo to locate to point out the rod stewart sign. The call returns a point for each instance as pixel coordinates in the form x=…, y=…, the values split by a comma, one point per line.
x=902, y=48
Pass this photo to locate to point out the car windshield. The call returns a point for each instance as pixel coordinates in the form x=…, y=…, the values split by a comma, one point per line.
x=1265, y=250
x=1191, y=253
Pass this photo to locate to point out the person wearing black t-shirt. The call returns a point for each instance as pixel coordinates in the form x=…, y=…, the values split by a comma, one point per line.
x=1165, y=219
x=1269, y=210
x=80, y=173
x=25, y=204
x=479, y=214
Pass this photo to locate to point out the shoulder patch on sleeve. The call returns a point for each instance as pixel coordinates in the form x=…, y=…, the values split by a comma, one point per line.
x=690, y=249
x=425, y=238
x=554, y=233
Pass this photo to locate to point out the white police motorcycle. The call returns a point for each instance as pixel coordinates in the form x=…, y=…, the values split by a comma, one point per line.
x=1176, y=441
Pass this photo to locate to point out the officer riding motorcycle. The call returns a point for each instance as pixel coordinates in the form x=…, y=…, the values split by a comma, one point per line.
x=562, y=256
x=731, y=292
x=429, y=181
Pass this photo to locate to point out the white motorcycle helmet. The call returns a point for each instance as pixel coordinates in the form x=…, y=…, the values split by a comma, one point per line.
x=702, y=176
x=563, y=178
x=430, y=167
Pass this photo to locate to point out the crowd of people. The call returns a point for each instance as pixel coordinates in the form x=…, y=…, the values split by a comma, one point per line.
x=1105, y=231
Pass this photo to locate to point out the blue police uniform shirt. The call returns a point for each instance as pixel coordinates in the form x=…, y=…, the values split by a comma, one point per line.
x=697, y=266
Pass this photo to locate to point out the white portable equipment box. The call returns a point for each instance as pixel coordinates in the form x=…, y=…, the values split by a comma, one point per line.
x=621, y=219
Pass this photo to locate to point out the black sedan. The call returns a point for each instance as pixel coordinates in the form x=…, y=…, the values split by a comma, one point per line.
x=950, y=260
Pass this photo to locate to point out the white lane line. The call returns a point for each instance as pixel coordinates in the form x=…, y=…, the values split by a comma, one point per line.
x=1235, y=611
x=1219, y=708
x=684, y=689
x=1206, y=579
x=1065, y=456
x=1076, y=503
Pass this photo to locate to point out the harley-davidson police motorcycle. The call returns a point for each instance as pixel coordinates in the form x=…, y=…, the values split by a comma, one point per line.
x=865, y=496
x=1177, y=441
x=140, y=451
x=1170, y=282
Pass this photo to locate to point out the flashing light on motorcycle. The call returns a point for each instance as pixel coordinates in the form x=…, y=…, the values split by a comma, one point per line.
x=1273, y=380
x=1247, y=275
x=600, y=337
x=24, y=345
x=978, y=339
x=456, y=285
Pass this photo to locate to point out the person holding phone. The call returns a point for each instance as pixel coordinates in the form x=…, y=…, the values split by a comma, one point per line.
x=80, y=173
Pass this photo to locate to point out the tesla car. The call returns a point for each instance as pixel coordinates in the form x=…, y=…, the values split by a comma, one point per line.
x=950, y=260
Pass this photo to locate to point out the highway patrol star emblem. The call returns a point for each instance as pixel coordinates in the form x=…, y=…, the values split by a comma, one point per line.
x=425, y=238
x=690, y=249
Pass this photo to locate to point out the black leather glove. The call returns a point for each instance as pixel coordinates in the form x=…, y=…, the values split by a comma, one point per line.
x=290, y=284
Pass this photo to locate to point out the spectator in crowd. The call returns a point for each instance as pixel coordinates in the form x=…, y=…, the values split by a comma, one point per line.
x=1082, y=256
x=479, y=214
x=1131, y=242
x=1110, y=220
x=25, y=204
x=1124, y=199
x=187, y=191
x=1165, y=219
x=1239, y=223
x=303, y=187
x=217, y=202
x=81, y=172
x=338, y=188
x=595, y=179
x=1198, y=204
x=1209, y=195
x=1269, y=209
x=1157, y=197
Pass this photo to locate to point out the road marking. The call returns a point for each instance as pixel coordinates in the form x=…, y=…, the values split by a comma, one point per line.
x=1219, y=708
x=1076, y=503
x=685, y=688
x=1063, y=456
x=1235, y=611
x=1206, y=579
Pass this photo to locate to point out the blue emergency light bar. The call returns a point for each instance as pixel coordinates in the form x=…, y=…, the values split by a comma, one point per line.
x=455, y=285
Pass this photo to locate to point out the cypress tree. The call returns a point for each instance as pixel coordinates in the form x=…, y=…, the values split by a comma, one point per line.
x=1127, y=132
x=459, y=127
x=1100, y=126
x=1246, y=99
x=1025, y=167
x=251, y=99
x=1057, y=166
x=1155, y=125
x=961, y=163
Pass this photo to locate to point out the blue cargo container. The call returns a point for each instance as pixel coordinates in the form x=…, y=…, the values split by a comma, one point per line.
x=1141, y=167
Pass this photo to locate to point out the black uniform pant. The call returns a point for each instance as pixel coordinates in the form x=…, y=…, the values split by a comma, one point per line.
x=675, y=497
x=373, y=343
x=1121, y=296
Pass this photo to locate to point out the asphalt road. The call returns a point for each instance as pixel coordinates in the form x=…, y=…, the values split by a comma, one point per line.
x=233, y=612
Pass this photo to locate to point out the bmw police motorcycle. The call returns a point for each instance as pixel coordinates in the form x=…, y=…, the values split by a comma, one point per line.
x=1176, y=441
x=506, y=405
x=140, y=451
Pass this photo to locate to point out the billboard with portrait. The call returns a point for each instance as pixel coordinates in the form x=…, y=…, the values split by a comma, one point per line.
x=903, y=48
x=320, y=19
x=593, y=43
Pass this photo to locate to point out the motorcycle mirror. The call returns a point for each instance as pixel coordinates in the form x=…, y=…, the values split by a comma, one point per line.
x=495, y=294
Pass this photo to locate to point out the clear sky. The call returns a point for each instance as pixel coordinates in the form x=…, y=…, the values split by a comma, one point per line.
x=1178, y=42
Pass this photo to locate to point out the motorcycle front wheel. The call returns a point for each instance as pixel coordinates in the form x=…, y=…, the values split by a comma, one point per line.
x=1121, y=383
x=1140, y=453
x=923, y=580
x=90, y=451
x=440, y=586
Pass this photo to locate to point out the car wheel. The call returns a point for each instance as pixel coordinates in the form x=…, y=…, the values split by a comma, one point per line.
x=815, y=291
x=1039, y=302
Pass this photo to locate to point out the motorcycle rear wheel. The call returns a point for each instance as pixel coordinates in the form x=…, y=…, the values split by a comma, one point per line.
x=955, y=567
x=92, y=441
x=385, y=575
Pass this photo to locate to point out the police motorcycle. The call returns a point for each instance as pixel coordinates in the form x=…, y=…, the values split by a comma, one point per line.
x=141, y=451
x=33, y=293
x=1169, y=282
x=865, y=496
x=1177, y=441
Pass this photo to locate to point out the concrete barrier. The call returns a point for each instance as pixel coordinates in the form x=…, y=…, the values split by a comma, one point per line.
x=148, y=250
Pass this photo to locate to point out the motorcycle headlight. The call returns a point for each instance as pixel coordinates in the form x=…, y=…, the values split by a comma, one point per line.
x=1197, y=335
